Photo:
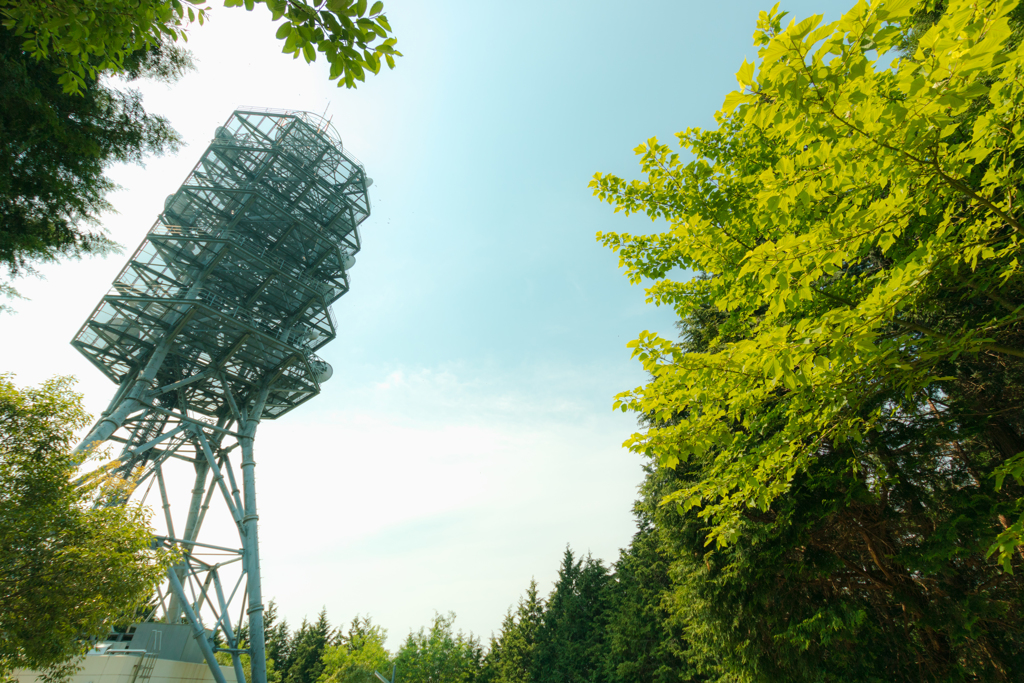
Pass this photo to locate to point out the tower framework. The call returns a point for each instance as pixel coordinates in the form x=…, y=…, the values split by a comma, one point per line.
x=212, y=326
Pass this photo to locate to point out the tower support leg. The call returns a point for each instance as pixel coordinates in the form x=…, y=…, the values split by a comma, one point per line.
x=198, y=632
x=192, y=524
x=128, y=400
x=257, y=642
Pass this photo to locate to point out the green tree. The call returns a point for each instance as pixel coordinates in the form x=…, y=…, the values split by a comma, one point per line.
x=358, y=655
x=306, y=662
x=643, y=643
x=83, y=39
x=838, y=435
x=490, y=668
x=520, y=642
x=858, y=218
x=277, y=637
x=55, y=146
x=273, y=673
x=439, y=654
x=886, y=584
x=301, y=634
x=270, y=631
x=68, y=569
x=571, y=638
x=511, y=655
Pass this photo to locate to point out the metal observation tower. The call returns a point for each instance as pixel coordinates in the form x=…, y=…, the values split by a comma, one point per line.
x=212, y=326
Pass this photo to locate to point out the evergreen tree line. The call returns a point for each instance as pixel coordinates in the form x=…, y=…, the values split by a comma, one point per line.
x=789, y=601
x=598, y=624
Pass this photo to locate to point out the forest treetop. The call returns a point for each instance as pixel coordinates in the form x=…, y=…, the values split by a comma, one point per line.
x=855, y=221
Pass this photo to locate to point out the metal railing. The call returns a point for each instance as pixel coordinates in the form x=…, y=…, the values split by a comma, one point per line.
x=300, y=336
x=323, y=126
x=281, y=263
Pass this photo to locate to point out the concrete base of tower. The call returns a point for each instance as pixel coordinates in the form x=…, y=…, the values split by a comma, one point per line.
x=150, y=653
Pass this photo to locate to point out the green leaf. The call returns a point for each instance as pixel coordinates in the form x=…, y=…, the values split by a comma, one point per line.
x=292, y=41
x=733, y=100
x=892, y=10
x=745, y=76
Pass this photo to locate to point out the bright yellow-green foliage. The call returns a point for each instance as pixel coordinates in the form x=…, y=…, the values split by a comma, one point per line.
x=357, y=658
x=69, y=568
x=89, y=37
x=273, y=675
x=844, y=191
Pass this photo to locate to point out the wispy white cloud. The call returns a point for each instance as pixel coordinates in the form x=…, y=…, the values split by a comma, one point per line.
x=441, y=489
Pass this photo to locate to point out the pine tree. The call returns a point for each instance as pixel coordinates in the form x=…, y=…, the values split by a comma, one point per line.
x=519, y=638
x=490, y=669
x=570, y=638
x=293, y=644
x=277, y=637
x=306, y=663
x=643, y=643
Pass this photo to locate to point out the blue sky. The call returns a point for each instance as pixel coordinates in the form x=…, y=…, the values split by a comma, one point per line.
x=467, y=435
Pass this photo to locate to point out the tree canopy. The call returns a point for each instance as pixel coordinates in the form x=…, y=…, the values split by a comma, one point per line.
x=836, y=439
x=68, y=569
x=83, y=39
x=511, y=654
x=855, y=219
x=570, y=638
x=305, y=662
x=439, y=654
x=54, y=147
x=358, y=654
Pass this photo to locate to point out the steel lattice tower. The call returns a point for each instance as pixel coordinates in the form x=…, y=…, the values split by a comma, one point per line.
x=212, y=326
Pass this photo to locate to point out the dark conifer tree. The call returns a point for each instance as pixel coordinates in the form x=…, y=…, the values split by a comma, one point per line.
x=520, y=642
x=278, y=638
x=299, y=636
x=490, y=668
x=643, y=643
x=306, y=661
x=570, y=638
x=511, y=655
